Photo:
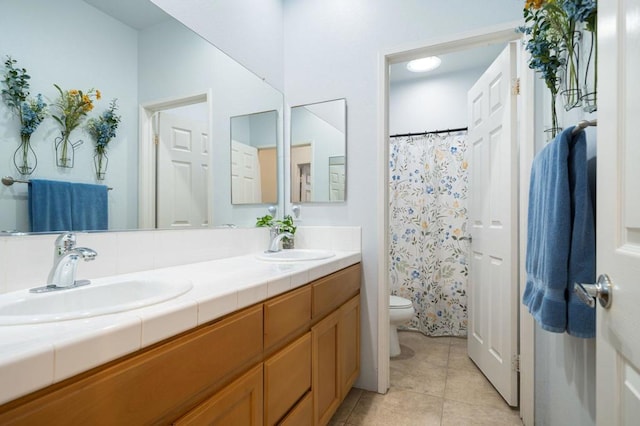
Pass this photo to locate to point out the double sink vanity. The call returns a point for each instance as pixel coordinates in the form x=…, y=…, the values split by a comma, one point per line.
x=260, y=338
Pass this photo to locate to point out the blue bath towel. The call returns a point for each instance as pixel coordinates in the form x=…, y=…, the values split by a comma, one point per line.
x=89, y=207
x=581, y=319
x=561, y=237
x=49, y=205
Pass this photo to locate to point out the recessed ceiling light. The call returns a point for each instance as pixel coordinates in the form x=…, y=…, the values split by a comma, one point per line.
x=424, y=64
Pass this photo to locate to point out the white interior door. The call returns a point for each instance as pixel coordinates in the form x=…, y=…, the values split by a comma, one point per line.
x=245, y=174
x=337, y=181
x=493, y=278
x=618, y=213
x=182, y=173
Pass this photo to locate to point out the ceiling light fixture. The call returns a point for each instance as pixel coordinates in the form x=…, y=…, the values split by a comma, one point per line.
x=424, y=64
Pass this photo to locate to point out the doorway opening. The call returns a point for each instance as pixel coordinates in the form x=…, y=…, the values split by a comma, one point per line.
x=391, y=124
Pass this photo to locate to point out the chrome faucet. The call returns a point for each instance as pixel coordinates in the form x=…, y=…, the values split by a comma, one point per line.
x=65, y=264
x=275, y=237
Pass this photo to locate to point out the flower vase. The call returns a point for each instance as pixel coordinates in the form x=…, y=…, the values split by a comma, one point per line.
x=100, y=162
x=571, y=93
x=25, y=158
x=590, y=73
x=65, y=150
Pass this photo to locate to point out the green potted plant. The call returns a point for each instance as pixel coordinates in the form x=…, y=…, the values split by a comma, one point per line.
x=284, y=225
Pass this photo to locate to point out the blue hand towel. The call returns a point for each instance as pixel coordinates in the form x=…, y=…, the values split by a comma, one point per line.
x=549, y=235
x=49, y=205
x=561, y=237
x=581, y=319
x=89, y=207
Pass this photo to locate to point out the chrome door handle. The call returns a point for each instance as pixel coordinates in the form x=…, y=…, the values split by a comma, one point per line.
x=601, y=290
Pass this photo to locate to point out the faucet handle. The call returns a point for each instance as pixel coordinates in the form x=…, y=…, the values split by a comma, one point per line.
x=64, y=243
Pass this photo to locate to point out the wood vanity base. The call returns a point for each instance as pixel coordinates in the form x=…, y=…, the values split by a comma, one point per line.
x=289, y=360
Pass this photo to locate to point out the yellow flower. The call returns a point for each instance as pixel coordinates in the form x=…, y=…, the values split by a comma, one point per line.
x=86, y=99
x=457, y=232
x=424, y=225
x=536, y=4
x=465, y=164
x=98, y=94
x=456, y=204
x=73, y=92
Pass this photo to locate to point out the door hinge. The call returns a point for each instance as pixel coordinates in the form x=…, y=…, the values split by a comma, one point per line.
x=156, y=139
x=515, y=86
x=515, y=363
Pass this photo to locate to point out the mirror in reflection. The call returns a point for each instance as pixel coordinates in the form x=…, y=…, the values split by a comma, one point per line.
x=318, y=152
x=254, y=158
x=134, y=52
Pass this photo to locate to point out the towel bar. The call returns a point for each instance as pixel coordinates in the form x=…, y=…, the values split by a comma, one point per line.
x=8, y=181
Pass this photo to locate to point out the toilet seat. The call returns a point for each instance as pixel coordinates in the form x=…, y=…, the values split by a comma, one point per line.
x=397, y=302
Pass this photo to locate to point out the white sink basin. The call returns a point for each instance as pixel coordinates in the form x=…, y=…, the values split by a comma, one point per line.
x=296, y=255
x=88, y=301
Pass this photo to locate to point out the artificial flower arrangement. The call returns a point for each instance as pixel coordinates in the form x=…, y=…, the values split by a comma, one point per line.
x=31, y=112
x=284, y=225
x=552, y=27
x=72, y=107
x=102, y=129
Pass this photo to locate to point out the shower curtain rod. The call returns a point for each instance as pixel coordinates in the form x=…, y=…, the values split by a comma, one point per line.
x=434, y=132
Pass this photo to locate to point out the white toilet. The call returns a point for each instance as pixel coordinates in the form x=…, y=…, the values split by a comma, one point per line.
x=400, y=311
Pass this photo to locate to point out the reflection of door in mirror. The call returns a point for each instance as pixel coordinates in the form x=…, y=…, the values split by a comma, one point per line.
x=336, y=178
x=183, y=166
x=254, y=159
x=301, y=188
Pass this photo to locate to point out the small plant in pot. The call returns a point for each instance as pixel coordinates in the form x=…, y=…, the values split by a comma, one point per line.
x=284, y=225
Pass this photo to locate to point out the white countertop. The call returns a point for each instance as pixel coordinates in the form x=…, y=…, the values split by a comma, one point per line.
x=37, y=355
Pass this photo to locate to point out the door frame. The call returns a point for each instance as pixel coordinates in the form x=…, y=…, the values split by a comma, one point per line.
x=147, y=152
x=495, y=34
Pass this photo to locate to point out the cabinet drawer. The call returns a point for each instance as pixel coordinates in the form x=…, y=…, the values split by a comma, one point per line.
x=332, y=291
x=156, y=385
x=240, y=403
x=283, y=315
x=287, y=377
x=302, y=413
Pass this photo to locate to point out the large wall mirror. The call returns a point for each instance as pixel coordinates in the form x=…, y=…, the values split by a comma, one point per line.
x=172, y=87
x=318, y=152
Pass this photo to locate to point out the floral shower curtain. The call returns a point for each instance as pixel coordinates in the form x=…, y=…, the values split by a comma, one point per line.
x=427, y=225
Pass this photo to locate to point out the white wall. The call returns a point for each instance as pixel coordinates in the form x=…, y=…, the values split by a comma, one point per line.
x=250, y=31
x=62, y=42
x=429, y=104
x=332, y=50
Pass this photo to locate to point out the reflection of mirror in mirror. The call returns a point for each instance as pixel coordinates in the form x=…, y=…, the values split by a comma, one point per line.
x=133, y=51
x=318, y=152
x=254, y=158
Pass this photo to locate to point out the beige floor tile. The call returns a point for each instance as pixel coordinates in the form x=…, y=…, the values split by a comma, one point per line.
x=342, y=413
x=457, y=413
x=397, y=408
x=427, y=381
x=459, y=341
x=459, y=360
x=416, y=340
x=421, y=359
x=471, y=387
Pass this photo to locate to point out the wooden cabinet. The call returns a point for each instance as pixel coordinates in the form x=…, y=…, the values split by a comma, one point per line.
x=289, y=360
x=336, y=359
x=240, y=403
x=287, y=378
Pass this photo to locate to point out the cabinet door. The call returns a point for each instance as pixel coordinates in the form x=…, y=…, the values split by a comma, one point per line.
x=302, y=413
x=238, y=404
x=349, y=345
x=325, y=386
x=287, y=377
x=285, y=315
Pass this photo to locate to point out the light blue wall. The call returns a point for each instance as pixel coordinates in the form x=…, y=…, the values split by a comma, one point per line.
x=63, y=42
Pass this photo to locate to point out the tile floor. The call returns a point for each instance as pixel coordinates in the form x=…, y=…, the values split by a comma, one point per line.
x=433, y=382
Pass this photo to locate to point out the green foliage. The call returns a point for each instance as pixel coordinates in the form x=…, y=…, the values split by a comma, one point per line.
x=16, y=82
x=265, y=221
x=284, y=225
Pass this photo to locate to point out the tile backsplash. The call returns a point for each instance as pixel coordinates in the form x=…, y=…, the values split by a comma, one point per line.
x=25, y=261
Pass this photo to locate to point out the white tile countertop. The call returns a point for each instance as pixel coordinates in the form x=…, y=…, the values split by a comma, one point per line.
x=37, y=355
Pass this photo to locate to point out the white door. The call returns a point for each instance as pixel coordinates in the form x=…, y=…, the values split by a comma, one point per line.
x=182, y=173
x=336, y=178
x=493, y=278
x=245, y=174
x=618, y=218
